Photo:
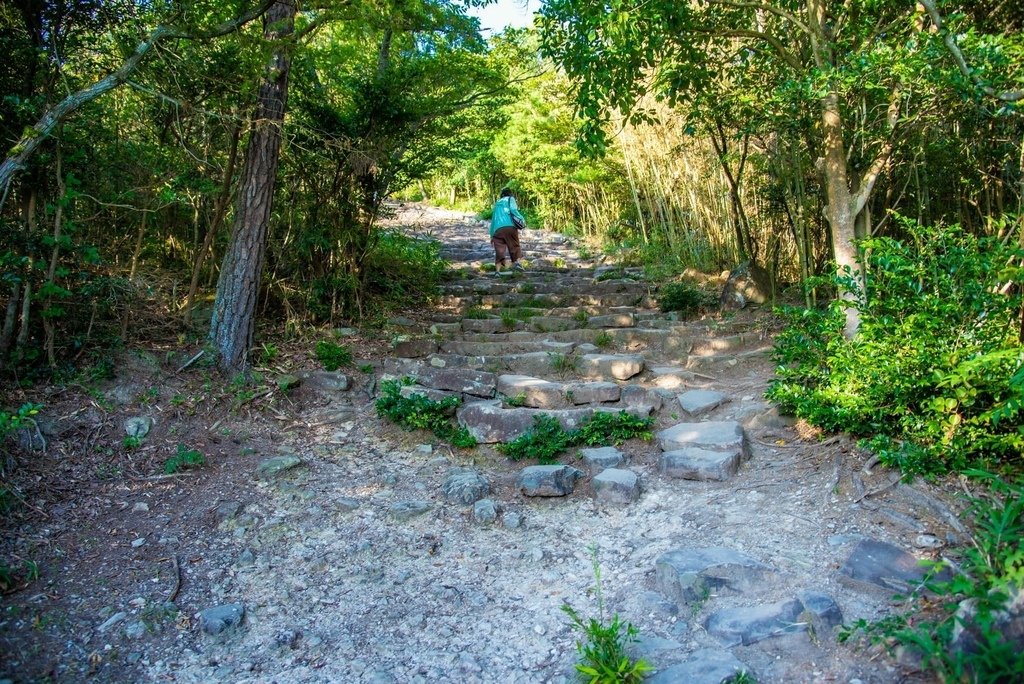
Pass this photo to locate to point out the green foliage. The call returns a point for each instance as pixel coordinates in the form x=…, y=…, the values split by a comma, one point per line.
x=130, y=443
x=990, y=572
x=538, y=303
x=606, y=427
x=936, y=374
x=418, y=412
x=547, y=438
x=581, y=316
x=183, y=459
x=13, y=577
x=604, y=340
x=333, y=356
x=476, y=313
x=682, y=297
x=563, y=364
x=603, y=651
x=11, y=422
x=508, y=319
x=544, y=441
x=516, y=400
x=267, y=353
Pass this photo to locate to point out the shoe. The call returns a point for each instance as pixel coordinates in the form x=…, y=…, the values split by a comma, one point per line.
x=518, y=267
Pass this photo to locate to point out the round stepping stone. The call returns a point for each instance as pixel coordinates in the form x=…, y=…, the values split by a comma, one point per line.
x=598, y=458
x=548, y=480
x=616, y=486
x=485, y=511
x=696, y=402
x=465, y=486
x=220, y=618
x=713, y=435
x=700, y=464
x=688, y=575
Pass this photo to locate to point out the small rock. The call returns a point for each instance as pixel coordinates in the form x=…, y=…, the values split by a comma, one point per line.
x=597, y=459
x=465, y=486
x=220, y=618
x=112, y=620
x=277, y=464
x=346, y=503
x=485, y=511
x=289, y=638
x=246, y=558
x=346, y=332
x=928, y=541
x=135, y=630
x=405, y=510
x=141, y=541
x=512, y=521
x=140, y=507
x=616, y=486
x=424, y=449
x=138, y=427
x=548, y=480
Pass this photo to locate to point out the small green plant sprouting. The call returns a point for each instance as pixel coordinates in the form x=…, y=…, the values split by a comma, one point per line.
x=559, y=262
x=130, y=443
x=547, y=438
x=11, y=578
x=333, y=356
x=581, y=316
x=563, y=364
x=603, y=655
x=267, y=353
x=527, y=288
x=604, y=340
x=990, y=573
x=476, y=313
x=517, y=400
x=183, y=459
x=614, y=274
x=742, y=677
x=682, y=297
x=508, y=319
x=418, y=412
x=12, y=422
x=534, y=302
x=149, y=397
x=366, y=368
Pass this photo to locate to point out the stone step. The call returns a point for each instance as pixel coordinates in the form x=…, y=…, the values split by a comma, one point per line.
x=721, y=362
x=689, y=575
x=490, y=422
x=538, y=393
x=537, y=364
x=808, y=612
x=532, y=344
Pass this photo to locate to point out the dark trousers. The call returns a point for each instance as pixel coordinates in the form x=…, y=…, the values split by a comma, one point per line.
x=506, y=245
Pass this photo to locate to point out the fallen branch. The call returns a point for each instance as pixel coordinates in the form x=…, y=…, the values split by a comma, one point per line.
x=177, y=579
x=878, y=490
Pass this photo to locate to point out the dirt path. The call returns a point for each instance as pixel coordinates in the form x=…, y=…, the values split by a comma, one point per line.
x=353, y=565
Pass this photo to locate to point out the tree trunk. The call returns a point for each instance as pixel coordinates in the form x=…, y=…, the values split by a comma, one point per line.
x=231, y=330
x=841, y=216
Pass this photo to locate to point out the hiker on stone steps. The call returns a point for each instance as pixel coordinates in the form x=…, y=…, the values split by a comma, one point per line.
x=506, y=222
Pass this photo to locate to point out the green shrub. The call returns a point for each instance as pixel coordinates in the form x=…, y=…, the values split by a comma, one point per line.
x=684, y=298
x=547, y=438
x=476, y=313
x=418, y=412
x=603, y=653
x=990, y=570
x=333, y=356
x=604, y=340
x=11, y=422
x=935, y=376
x=183, y=459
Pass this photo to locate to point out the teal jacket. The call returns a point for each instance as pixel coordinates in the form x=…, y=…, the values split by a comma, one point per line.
x=501, y=217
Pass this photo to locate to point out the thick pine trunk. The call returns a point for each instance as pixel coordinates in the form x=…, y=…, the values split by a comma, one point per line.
x=231, y=330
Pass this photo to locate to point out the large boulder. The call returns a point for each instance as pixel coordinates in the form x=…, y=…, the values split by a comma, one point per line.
x=748, y=283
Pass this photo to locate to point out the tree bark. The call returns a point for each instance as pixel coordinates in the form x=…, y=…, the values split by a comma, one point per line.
x=231, y=330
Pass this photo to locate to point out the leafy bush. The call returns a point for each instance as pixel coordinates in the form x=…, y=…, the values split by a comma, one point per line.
x=990, y=572
x=936, y=372
x=682, y=297
x=11, y=422
x=183, y=459
x=547, y=438
x=604, y=658
x=418, y=412
x=333, y=356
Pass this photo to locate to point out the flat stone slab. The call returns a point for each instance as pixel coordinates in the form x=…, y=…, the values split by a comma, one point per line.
x=467, y=381
x=138, y=427
x=465, y=486
x=623, y=320
x=616, y=486
x=489, y=422
x=598, y=458
x=220, y=618
x=696, y=402
x=432, y=394
x=690, y=574
x=483, y=325
x=821, y=611
x=700, y=464
x=706, y=666
x=712, y=435
x=533, y=392
x=277, y=465
x=405, y=510
x=878, y=564
x=325, y=381
x=748, y=625
x=618, y=366
x=548, y=480
x=592, y=392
